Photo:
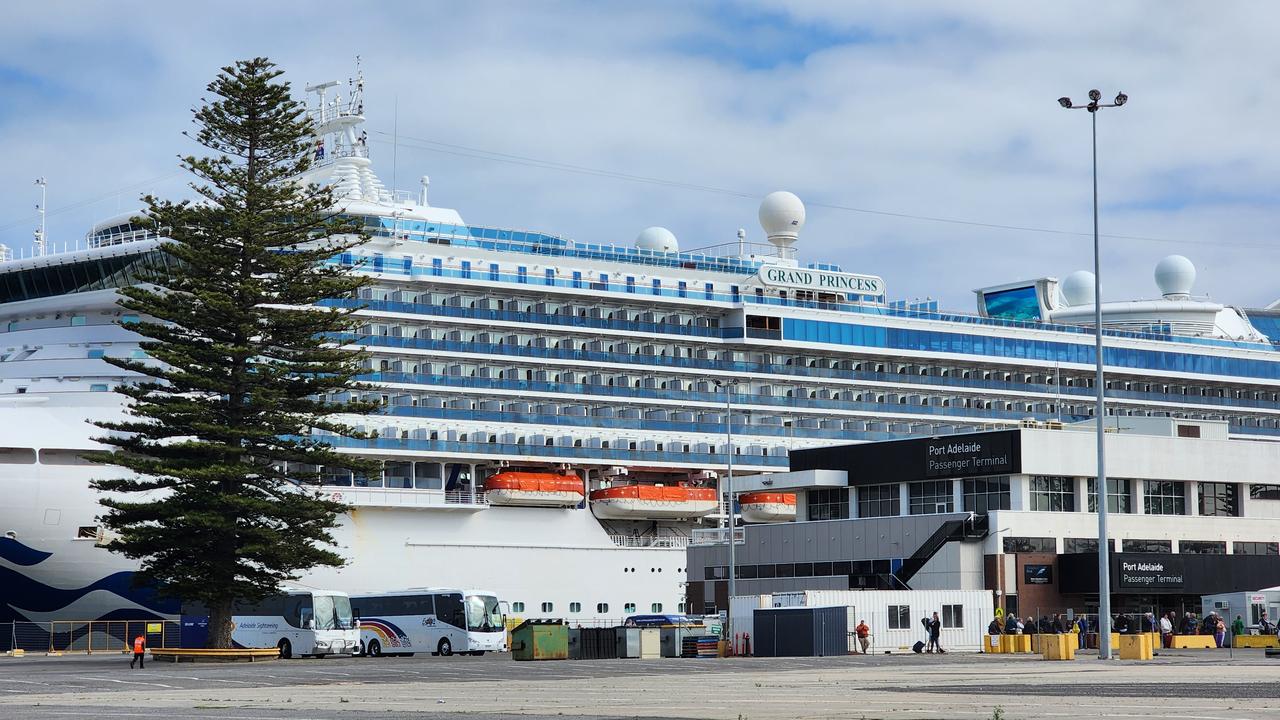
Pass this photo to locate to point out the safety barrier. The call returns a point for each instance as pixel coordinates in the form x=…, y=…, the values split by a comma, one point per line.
x=88, y=636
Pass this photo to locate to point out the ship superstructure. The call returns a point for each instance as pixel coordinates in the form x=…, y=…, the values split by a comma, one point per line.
x=554, y=422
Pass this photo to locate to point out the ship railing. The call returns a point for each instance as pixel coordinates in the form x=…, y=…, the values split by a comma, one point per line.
x=403, y=497
x=666, y=541
x=718, y=536
x=88, y=636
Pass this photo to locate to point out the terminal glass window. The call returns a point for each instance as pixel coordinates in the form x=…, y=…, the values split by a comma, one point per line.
x=1202, y=547
x=932, y=496
x=1030, y=545
x=879, y=501
x=1165, y=497
x=899, y=617
x=952, y=616
x=1053, y=493
x=1219, y=500
x=1075, y=546
x=828, y=504
x=985, y=494
x=1119, y=495
x=1264, y=492
x=1256, y=548
x=1146, y=546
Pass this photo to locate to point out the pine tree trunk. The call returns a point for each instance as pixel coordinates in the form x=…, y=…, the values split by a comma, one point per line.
x=220, y=624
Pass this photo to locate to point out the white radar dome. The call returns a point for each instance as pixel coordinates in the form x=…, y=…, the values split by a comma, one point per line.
x=781, y=214
x=1174, y=276
x=1077, y=288
x=658, y=239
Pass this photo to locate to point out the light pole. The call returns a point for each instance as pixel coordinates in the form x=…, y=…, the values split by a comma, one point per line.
x=1104, y=550
x=728, y=490
x=1000, y=568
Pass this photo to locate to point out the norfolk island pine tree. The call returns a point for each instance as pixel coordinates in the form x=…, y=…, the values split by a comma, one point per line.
x=241, y=357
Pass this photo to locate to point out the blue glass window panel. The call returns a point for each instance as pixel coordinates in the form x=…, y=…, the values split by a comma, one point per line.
x=1016, y=304
x=437, y=266
x=550, y=276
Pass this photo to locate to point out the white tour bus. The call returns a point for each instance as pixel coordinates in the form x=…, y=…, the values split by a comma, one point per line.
x=299, y=622
x=437, y=620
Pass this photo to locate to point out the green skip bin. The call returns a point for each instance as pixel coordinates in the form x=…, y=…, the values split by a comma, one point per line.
x=540, y=640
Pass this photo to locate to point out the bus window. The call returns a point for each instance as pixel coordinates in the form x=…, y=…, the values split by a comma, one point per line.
x=449, y=610
x=483, y=613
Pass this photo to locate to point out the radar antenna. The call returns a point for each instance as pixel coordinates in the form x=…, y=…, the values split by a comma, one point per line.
x=41, y=238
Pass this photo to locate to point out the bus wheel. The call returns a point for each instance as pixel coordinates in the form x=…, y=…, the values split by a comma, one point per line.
x=444, y=648
x=375, y=648
x=286, y=650
x=360, y=652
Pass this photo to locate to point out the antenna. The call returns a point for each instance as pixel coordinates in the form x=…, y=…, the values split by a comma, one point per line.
x=742, y=236
x=40, y=234
x=395, y=141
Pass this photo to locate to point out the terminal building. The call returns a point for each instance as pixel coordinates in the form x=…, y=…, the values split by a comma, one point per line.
x=1191, y=513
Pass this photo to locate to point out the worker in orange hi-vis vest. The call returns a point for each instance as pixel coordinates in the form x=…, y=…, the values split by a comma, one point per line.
x=139, y=651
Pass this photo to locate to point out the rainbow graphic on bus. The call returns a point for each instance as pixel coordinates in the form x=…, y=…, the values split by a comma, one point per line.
x=388, y=634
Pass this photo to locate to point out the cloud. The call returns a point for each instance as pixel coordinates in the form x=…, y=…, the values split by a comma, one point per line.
x=930, y=109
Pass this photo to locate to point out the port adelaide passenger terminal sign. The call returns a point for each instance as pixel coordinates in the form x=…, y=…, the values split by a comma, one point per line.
x=969, y=457
x=1165, y=572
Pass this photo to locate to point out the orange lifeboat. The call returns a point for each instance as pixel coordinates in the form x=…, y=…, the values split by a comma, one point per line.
x=652, y=501
x=762, y=507
x=533, y=489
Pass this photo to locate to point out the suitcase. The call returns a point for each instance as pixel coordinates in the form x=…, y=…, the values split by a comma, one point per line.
x=918, y=647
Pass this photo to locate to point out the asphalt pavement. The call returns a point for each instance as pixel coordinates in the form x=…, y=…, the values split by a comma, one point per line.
x=1197, y=684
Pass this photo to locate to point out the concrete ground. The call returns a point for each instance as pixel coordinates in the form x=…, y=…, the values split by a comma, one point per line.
x=1193, y=684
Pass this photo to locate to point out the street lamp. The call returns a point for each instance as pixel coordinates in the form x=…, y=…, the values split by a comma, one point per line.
x=728, y=490
x=1104, y=554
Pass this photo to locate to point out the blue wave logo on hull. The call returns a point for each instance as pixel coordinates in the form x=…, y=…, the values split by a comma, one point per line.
x=22, y=592
x=19, y=554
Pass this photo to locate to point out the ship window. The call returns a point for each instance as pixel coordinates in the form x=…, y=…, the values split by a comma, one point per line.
x=96, y=354
x=574, y=607
x=17, y=456
x=517, y=607
x=629, y=608
x=77, y=320
x=602, y=607
x=655, y=607
x=129, y=319
x=63, y=457
x=548, y=607
x=98, y=387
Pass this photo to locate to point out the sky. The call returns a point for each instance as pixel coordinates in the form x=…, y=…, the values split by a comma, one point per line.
x=925, y=137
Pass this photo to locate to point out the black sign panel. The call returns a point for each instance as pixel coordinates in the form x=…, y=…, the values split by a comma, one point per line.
x=1037, y=574
x=968, y=456
x=1163, y=572
x=949, y=456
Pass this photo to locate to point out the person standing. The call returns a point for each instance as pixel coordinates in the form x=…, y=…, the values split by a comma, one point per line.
x=935, y=634
x=1219, y=631
x=1237, y=628
x=864, y=635
x=139, y=653
x=1082, y=636
x=1166, y=631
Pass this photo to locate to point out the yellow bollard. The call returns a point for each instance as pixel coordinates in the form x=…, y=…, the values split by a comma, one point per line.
x=1135, y=647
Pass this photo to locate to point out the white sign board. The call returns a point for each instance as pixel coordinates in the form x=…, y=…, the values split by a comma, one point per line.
x=821, y=280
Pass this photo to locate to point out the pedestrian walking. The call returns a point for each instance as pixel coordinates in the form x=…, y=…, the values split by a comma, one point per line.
x=139, y=653
x=935, y=634
x=864, y=635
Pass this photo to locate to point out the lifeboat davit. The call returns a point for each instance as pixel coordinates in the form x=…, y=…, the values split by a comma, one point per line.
x=762, y=507
x=533, y=489
x=652, y=501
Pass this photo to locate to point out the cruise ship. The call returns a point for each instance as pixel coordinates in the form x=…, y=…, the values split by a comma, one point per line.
x=559, y=417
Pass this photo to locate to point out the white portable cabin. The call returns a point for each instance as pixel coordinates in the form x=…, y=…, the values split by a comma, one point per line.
x=1248, y=605
x=965, y=614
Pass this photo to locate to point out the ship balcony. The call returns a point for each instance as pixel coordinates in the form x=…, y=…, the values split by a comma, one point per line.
x=406, y=498
x=633, y=541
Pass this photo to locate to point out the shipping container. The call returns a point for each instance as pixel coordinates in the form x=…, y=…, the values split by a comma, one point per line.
x=801, y=631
